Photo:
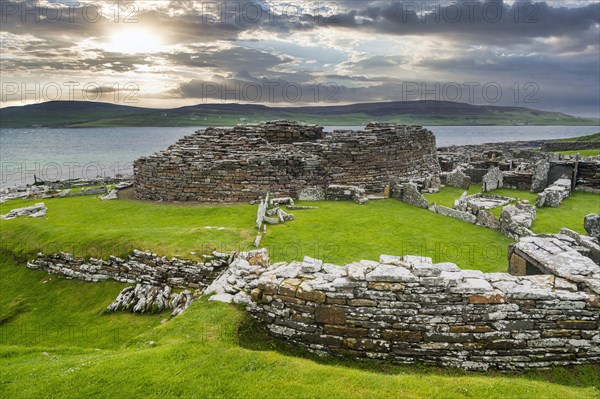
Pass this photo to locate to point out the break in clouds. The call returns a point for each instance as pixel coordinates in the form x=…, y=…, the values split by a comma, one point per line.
x=520, y=53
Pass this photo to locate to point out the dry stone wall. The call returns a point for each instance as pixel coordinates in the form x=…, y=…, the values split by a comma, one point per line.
x=401, y=309
x=407, y=309
x=284, y=158
x=140, y=267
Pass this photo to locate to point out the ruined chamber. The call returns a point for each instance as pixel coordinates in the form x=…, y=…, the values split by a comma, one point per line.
x=281, y=157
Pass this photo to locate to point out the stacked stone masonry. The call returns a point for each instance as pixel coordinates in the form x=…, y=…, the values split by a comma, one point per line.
x=140, y=267
x=407, y=309
x=523, y=166
x=284, y=158
x=402, y=309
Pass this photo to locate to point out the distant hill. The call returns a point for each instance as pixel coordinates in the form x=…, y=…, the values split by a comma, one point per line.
x=94, y=114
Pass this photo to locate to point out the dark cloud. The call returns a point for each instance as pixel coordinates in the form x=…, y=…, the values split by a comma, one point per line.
x=555, y=46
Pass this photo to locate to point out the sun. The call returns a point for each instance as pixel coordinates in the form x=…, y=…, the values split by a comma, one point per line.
x=134, y=41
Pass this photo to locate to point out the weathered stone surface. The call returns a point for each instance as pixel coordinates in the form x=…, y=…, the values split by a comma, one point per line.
x=591, y=223
x=330, y=315
x=587, y=246
x=144, y=298
x=492, y=180
x=457, y=178
x=539, y=180
x=311, y=194
x=141, y=267
x=407, y=309
x=488, y=219
x=516, y=220
x=337, y=192
x=550, y=255
x=453, y=213
x=408, y=192
x=285, y=158
x=112, y=195
x=33, y=211
x=390, y=274
x=555, y=194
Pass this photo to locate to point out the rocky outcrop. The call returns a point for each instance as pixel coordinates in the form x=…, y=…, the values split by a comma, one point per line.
x=34, y=211
x=591, y=223
x=555, y=194
x=284, y=158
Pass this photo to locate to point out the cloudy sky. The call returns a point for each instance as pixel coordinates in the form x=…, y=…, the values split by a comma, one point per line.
x=543, y=55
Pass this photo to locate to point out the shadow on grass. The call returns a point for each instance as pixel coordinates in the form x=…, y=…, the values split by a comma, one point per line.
x=254, y=336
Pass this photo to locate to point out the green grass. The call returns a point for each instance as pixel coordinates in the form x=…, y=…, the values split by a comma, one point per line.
x=594, y=138
x=570, y=214
x=337, y=232
x=342, y=232
x=87, y=226
x=583, y=153
x=55, y=340
x=213, y=351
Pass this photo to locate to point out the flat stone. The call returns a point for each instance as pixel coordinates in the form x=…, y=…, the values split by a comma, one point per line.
x=392, y=274
x=472, y=286
x=223, y=297
x=311, y=265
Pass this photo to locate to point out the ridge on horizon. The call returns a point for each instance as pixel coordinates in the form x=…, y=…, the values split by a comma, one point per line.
x=424, y=112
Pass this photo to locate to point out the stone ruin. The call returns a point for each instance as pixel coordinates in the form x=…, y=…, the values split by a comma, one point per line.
x=285, y=158
x=403, y=309
x=33, y=211
x=518, y=165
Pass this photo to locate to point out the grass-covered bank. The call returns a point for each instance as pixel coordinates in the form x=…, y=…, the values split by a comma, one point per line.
x=338, y=232
x=212, y=351
x=56, y=342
